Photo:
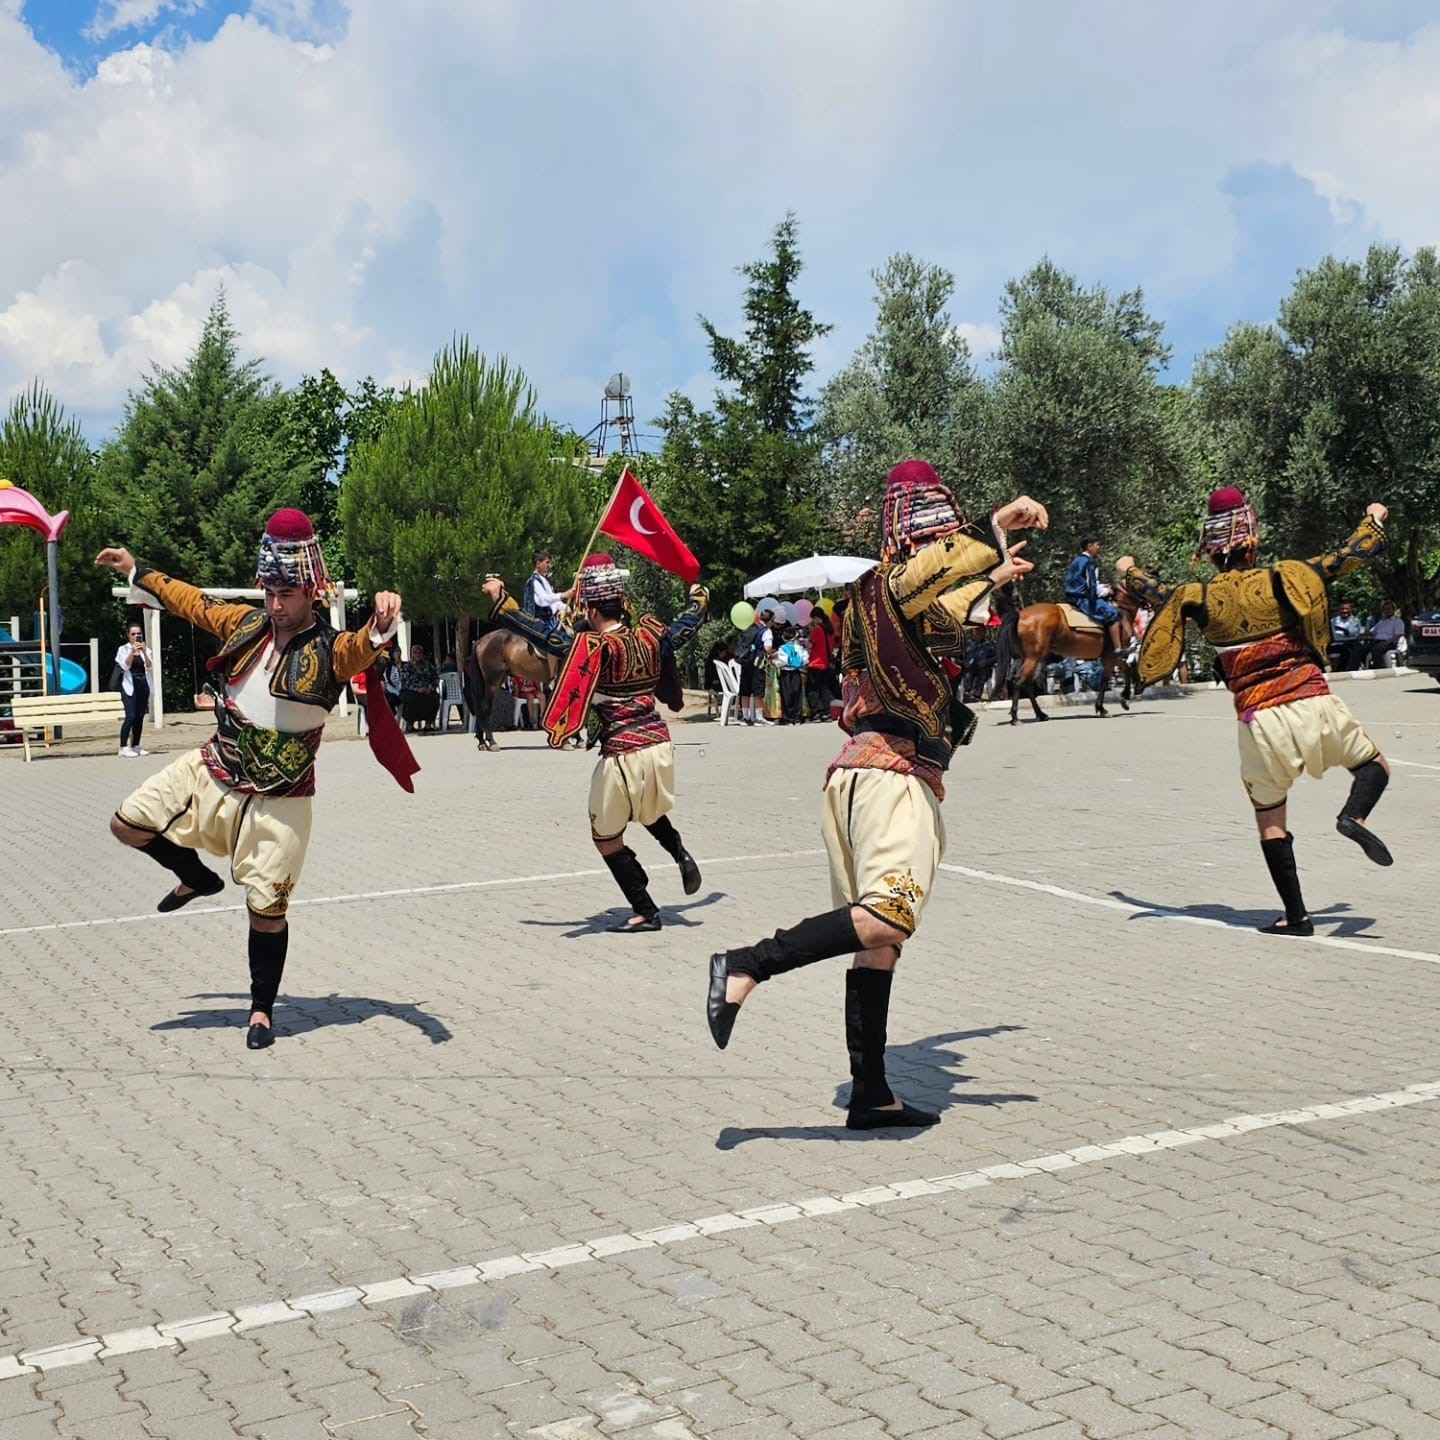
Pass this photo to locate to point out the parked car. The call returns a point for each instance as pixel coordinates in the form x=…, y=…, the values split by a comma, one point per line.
x=1424, y=643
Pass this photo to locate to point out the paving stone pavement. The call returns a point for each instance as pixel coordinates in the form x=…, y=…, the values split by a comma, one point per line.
x=495, y=1181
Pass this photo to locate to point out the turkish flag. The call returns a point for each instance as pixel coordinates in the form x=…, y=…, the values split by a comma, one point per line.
x=634, y=519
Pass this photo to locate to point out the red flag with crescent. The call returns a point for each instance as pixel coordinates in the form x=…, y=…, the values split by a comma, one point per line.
x=634, y=519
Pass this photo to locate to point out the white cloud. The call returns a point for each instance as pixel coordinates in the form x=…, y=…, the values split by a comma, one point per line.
x=115, y=15
x=571, y=183
x=983, y=338
x=1362, y=123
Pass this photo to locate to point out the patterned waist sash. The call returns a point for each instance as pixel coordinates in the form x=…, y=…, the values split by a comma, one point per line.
x=258, y=761
x=632, y=724
x=1271, y=672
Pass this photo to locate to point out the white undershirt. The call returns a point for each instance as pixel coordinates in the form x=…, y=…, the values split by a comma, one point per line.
x=260, y=707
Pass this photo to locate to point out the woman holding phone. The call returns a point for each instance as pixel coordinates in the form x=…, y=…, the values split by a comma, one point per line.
x=134, y=661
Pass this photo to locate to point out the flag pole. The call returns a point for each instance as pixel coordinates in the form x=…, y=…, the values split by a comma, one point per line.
x=594, y=534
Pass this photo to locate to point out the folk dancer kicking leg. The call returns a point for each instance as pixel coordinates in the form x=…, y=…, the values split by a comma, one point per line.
x=613, y=669
x=883, y=832
x=246, y=793
x=1270, y=626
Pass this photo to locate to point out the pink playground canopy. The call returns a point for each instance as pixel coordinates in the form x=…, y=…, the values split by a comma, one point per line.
x=20, y=507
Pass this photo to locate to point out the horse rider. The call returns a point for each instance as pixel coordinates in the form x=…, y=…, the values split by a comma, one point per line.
x=540, y=598
x=881, y=821
x=1270, y=627
x=1082, y=590
x=611, y=671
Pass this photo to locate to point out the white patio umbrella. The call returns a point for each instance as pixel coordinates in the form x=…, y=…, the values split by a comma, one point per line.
x=819, y=572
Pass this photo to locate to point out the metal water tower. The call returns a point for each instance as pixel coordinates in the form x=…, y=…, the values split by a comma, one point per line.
x=617, y=413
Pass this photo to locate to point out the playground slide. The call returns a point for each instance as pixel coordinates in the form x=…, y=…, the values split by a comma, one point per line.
x=73, y=680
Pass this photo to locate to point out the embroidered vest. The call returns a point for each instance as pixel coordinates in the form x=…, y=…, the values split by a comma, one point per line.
x=305, y=672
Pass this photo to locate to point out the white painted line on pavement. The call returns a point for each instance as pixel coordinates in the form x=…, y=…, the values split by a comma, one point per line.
x=446, y=889
x=1154, y=912
x=245, y=1318
x=1413, y=764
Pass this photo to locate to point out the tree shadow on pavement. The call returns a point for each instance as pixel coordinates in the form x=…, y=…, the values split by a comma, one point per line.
x=299, y=1014
x=919, y=1073
x=601, y=924
x=1345, y=924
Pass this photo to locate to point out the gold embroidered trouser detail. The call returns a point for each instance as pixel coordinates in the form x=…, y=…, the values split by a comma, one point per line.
x=264, y=838
x=885, y=838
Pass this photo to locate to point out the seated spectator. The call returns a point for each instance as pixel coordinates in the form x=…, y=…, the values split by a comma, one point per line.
x=419, y=691
x=1347, y=642
x=387, y=672
x=1385, y=635
x=722, y=650
x=529, y=692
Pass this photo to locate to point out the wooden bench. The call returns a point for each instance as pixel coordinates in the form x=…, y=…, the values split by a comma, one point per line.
x=42, y=712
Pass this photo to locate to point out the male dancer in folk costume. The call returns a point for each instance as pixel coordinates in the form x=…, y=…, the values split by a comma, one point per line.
x=1271, y=627
x=882, y=826
x=246, y=793
x=612, y=670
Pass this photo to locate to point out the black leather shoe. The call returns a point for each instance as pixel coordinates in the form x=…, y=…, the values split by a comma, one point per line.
x=719, y=1012
x=1283, y=927
x=1371, y=844
x=259, y=1037
x=689, y=872
x=907, y=1117
x=648, y=924
x=172, y=901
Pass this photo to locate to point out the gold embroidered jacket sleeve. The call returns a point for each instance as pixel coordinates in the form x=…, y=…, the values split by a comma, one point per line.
x=219, y=617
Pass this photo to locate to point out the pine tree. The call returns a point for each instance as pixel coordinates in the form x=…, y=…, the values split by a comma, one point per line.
x=741, y=479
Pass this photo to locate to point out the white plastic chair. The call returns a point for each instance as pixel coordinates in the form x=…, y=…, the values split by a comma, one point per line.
x=729, y=674
x=452, y=697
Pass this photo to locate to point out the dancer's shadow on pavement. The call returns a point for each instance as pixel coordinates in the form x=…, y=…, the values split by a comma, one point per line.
x=919, y=1072
x=1345, y=925
x=600, y=924
x=299, y=1014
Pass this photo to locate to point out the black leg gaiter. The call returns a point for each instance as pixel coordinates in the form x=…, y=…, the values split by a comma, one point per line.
x=1280, y=858
x=630, y=876
x=185, y=865
x=667, y=836
x=1366, y=787
x=867, y=1012
x=268, y=949
x=818, y=938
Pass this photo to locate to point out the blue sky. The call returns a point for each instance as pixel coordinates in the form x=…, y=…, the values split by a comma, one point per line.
x=571, y=182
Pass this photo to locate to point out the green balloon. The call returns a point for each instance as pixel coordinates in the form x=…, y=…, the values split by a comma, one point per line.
x=742, y=614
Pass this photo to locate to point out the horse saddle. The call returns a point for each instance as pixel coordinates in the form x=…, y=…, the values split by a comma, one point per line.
x=1079, y=620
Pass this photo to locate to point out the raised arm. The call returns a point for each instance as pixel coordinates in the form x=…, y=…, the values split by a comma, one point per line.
x=356, y=650
x=920, y=582
x=683, y=629
x=219, y=617
x=1144, y=584
x=1366, y=542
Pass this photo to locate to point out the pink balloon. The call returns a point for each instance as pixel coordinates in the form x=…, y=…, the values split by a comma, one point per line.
x=803, y=611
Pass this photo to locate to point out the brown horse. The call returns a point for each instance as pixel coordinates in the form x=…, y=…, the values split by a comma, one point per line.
x=493, y=656
x=1039, y=631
